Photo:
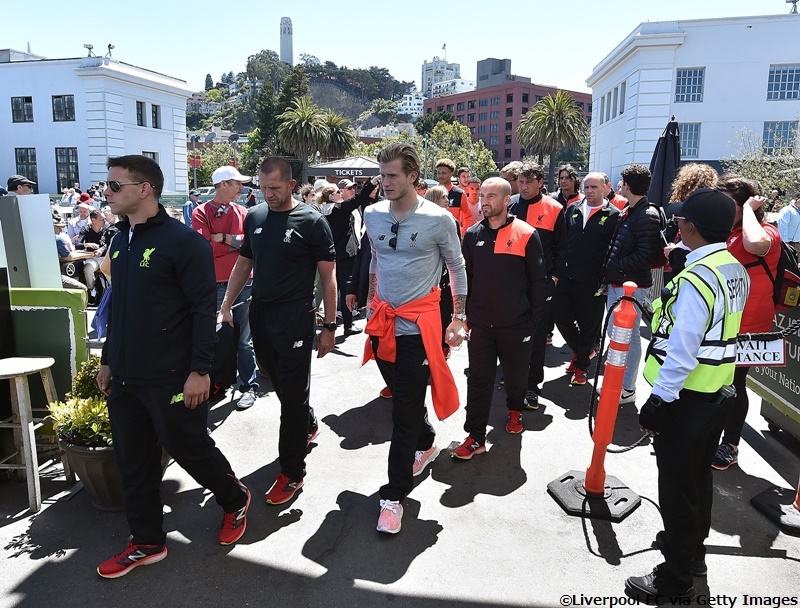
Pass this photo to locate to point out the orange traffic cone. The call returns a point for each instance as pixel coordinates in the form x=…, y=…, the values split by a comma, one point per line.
x=620, y=343
x=594, y=494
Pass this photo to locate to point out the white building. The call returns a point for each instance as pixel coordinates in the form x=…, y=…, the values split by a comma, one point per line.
x=451, y=87
x=411, y=104
x=206, y=108
x=716, y=76
x=437, y=71
x=63, y=118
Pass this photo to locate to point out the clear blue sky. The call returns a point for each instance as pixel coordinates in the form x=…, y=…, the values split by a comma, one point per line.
x=555, y=43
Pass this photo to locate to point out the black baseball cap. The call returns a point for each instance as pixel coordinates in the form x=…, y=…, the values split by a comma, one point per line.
x=708, y=209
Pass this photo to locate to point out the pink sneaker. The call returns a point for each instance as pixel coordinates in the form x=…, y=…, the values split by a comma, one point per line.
x=391, y=516
x=423, y=459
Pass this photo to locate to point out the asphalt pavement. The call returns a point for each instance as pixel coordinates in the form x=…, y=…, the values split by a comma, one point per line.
x=483, y=532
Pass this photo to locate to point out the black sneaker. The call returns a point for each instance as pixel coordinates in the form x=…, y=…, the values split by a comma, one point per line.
x=532, y=400
x=352, y=330
x=652, y=589
x=726, y=455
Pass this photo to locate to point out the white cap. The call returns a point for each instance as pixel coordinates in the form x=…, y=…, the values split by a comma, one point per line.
x=223, y=174
x=320, y=184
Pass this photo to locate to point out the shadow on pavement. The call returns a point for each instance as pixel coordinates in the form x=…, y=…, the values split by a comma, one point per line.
x=370, y=424
x=348, y=545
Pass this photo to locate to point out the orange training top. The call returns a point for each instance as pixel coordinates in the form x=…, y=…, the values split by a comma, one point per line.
x=424, y=312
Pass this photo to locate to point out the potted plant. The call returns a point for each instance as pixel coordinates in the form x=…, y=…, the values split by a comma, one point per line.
x=84, y=433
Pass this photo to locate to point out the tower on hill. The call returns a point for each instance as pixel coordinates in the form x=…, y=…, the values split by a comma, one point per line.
x=287, y=54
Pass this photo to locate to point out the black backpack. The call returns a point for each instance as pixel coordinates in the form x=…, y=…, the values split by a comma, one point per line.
x=786, y=286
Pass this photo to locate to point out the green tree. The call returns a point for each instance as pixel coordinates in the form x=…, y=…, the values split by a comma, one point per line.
x=267, y=119
x=214, y=95
x=209, y=82
x=302, y=131
x=555, y=122
x=774, y=169
x=294, y=87
x=211, y=158
x=341, y=139
x=267, y=67
x=385, y=110
x=193, y=121
x=447, y=140
x=427, y=122
x=250, y=153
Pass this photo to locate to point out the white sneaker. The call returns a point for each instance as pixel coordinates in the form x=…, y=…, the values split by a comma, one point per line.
x=391, y=517
x=423, y=459
x=627, y=397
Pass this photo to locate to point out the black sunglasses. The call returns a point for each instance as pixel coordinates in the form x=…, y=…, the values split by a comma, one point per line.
x=393, y=240
x=117, y=186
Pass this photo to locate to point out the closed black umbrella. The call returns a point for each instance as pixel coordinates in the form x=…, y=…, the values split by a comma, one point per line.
x=665, y=163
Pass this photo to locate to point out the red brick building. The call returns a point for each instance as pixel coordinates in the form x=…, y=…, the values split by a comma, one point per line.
x=494, y=113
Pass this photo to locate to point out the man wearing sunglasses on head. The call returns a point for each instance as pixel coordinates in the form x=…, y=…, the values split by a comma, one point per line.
x=156, y=363
x=410, y=239
x=221, y=222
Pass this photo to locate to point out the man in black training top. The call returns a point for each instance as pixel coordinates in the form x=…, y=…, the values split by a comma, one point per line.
x=156, y=360
x=284, y=245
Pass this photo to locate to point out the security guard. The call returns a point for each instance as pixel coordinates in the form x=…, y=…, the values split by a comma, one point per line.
x=690, y=364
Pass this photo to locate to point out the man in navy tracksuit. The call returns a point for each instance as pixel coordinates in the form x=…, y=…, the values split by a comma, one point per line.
x=578, y=307
x=505, y=265
x=156, y=361
x=547, y=216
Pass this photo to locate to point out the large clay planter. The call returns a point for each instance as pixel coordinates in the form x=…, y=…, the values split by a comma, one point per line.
x=97, y=470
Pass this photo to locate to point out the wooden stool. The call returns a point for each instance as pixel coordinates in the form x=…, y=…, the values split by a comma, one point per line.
x=17, y=370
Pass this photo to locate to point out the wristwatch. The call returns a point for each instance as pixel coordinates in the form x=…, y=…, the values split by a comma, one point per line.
x=460, y=317
x=330, y=326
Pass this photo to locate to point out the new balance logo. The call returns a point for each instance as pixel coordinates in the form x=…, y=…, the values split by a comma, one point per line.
x=425, y=362
x=298, y=344
x=382, y=237
x=480, y=243
x=135, y=557
x=257, y=231
x=526, y=339
x=176, y=398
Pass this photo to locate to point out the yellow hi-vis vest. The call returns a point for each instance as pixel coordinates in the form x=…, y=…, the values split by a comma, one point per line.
x=724, y=285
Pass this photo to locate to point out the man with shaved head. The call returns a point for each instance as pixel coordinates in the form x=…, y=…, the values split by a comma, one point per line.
x=505, y=263
x=578, y=307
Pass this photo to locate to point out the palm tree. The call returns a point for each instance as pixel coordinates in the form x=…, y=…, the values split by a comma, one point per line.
x=341, y=139
x=555, y=122
x=302, y=131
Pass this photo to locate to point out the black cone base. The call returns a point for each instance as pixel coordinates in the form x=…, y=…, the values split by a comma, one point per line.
x=617, y=502
x=776, y=504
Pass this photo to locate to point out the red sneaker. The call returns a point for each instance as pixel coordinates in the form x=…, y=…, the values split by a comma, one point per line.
x=570, y=369
x=132, y=557
x=468, y=449
x=579, y=377
x=283, y=490
x=385, y=393
x=235, y=523
x=514, y=425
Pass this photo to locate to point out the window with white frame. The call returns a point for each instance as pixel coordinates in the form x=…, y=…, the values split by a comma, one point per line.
x=779, y=134
x=690, y=139
x=623, y=89
x=689, y=85
x=783, y=82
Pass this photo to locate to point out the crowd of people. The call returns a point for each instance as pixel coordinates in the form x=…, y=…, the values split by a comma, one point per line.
x=496, y=264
